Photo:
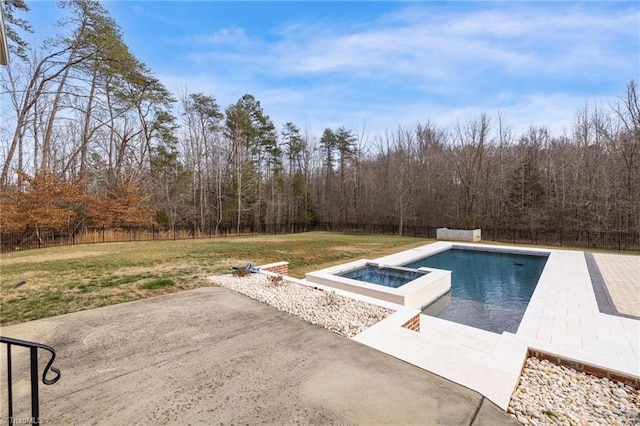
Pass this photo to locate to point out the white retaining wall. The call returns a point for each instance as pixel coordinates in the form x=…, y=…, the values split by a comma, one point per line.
x=459, y=234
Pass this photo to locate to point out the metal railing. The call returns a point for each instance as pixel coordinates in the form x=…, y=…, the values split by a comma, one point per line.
x=607, y=240
x=35, y=395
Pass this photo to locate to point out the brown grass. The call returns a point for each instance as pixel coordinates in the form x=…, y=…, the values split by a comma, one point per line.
x=73, y=278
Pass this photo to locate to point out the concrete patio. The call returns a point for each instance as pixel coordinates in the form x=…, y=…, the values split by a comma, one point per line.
x=210, y=356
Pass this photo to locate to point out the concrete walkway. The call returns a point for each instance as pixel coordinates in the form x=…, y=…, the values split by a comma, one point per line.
x=212, y=356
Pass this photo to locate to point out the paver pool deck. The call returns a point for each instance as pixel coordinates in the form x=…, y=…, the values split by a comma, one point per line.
x=212, y=356
x=621, y=274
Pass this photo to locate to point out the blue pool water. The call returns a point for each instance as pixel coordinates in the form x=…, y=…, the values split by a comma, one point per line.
x=389, y=277
x=489, y=290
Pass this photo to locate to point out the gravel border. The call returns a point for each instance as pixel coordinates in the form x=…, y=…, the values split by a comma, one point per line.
x=342, y=315
x=550, y=394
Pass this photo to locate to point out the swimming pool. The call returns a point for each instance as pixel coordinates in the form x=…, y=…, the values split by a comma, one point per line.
x=490, y=290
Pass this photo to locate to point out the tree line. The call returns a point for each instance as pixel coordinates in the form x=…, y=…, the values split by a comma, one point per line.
x=94, y=138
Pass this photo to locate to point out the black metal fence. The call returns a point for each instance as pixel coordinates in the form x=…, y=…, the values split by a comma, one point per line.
x=42, y=238
x=606, y=240
x=33, y=365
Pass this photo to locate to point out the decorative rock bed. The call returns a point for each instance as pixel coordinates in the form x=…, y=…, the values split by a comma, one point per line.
x=550, y=394
x=339, y=314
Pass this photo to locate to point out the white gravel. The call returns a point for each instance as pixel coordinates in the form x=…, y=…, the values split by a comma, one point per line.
x=550, y=394
x=339, y=314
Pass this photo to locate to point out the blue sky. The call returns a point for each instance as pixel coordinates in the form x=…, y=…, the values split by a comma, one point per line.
x=378, y=65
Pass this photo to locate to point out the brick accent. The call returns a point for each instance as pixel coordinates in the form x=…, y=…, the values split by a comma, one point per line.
x=281, y=268
x=413, y=324
x=586, y=368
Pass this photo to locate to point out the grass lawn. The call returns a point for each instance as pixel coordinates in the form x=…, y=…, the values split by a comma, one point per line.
x=73, y=278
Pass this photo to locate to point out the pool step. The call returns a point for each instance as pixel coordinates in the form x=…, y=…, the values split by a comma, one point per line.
x=439, y=331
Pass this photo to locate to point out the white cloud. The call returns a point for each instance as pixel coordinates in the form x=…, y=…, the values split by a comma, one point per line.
x=232, y=36
x=515, y=41
x=537, y=63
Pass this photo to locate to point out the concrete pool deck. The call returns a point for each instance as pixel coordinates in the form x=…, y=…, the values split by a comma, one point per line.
x=213, y=356
x=562, y=319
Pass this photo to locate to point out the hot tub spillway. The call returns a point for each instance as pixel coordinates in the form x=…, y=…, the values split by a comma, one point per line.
x=386, y=275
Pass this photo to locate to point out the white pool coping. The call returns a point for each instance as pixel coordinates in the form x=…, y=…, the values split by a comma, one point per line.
x=562, y=318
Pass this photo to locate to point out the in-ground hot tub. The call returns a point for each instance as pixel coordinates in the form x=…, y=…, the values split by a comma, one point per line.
x=415, y=288
x=389, y=276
